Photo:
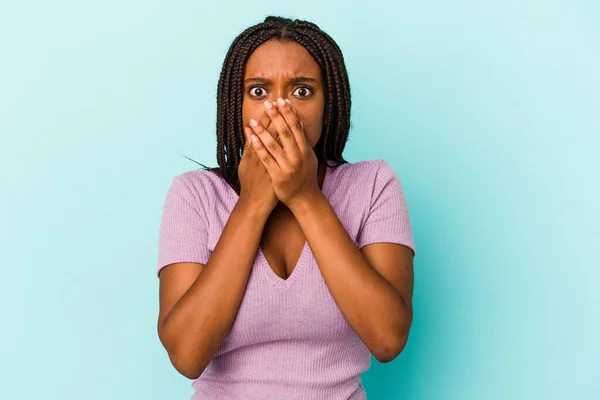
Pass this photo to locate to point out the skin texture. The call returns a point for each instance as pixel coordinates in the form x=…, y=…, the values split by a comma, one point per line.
x=280, y=207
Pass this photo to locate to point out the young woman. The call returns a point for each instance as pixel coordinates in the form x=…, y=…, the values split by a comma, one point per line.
x=285, y=268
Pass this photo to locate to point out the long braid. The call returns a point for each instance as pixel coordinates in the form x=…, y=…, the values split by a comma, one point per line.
x=230, y=94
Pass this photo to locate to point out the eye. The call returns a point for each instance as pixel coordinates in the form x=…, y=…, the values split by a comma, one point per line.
x=303, y=91
x=257, y=91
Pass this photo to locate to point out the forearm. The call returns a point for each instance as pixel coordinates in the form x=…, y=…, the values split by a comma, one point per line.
x=197, y=324
x=370, y=304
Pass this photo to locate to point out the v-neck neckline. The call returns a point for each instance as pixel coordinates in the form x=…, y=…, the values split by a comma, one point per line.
x=276, y=279
x=302, y=261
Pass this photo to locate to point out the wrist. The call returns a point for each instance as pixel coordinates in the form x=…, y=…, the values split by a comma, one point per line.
x=251, y=209
x=305, y=201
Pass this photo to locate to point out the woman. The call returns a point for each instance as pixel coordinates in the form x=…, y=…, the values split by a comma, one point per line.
x=285, y=268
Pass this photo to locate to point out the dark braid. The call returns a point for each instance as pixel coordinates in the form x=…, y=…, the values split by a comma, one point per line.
x=230, y=93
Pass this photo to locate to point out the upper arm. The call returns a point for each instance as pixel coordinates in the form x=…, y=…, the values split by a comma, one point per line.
x=183, y=242
x=394, y=262
x=175, y=281
x=385, y=238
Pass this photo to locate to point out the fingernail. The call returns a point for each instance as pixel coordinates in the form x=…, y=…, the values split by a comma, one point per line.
x=288, y=101
x=268, y=105
x=281, y=102
x=253, y=122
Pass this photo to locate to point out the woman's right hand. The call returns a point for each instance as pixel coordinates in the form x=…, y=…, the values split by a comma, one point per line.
x=256, y=188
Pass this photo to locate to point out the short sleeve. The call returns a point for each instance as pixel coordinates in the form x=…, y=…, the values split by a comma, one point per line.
x=183, y=233
x=388, y=219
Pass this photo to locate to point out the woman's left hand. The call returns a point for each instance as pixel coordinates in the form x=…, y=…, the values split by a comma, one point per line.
x=293, y=167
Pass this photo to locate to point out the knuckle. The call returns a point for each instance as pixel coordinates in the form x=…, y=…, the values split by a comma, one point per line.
x=272, y=145
x=286, y=133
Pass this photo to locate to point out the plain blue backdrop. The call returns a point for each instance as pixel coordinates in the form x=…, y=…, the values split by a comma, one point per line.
x=489, y=112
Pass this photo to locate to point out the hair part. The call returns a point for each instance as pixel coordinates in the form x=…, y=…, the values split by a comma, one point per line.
x=230, y=91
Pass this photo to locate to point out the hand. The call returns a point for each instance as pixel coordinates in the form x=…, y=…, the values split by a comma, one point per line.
x=290, y=161
x=255, y=184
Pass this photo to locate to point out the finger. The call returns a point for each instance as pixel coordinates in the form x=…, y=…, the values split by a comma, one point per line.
x=267, y=148
x=285, y=131
x=269, y=127
x=265, y=121
x=291, y=118
x=247, y=140
x=263, y=155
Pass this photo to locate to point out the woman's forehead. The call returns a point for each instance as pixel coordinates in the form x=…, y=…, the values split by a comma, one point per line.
x=275, y=58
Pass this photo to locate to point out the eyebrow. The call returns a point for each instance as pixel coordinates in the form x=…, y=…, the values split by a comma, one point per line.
x=296, y=79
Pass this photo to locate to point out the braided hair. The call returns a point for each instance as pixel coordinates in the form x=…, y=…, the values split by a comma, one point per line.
x=327, y=54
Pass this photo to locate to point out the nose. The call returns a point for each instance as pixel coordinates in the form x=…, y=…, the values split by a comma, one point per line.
x=278, y=91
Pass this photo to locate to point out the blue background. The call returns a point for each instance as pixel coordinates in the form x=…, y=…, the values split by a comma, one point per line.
x=489, y=112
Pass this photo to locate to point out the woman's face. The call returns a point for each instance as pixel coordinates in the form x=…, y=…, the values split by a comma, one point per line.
x=287, y=70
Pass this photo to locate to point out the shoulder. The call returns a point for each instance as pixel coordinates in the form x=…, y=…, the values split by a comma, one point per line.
x=360, y=173
x=202, y=183
x=364, y=182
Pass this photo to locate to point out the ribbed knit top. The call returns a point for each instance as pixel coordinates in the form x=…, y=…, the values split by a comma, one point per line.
x=289, y=339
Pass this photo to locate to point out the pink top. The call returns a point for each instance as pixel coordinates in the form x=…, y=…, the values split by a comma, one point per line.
x=289, y=338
